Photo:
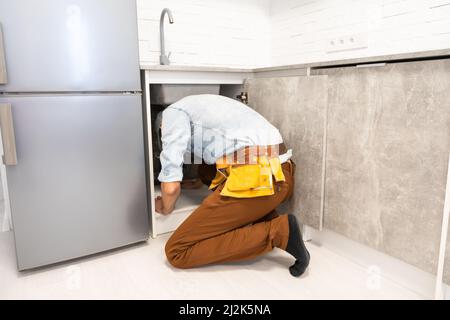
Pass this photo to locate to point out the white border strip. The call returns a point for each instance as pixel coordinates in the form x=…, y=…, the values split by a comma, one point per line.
x=146, y=93
x=6, y=224
x=439, y=294
x=324, y=163
x=195, y=77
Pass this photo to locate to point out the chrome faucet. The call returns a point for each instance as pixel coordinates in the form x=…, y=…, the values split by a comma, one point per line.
x=164, y=60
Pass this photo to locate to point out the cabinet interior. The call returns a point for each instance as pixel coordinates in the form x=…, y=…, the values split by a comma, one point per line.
x=189, y=199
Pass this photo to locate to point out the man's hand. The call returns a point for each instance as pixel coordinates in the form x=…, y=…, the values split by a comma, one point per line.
x=165, y=204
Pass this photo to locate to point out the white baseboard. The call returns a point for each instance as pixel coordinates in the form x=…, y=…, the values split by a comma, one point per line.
x=390, y=268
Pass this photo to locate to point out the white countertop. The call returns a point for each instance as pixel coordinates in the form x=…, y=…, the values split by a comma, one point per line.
x=364, y=60
x=193, y=68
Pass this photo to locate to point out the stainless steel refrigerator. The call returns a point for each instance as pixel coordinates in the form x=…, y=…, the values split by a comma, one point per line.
x=78, y=186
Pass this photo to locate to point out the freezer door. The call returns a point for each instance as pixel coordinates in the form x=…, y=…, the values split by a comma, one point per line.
x=79, y=184
x=70, y=45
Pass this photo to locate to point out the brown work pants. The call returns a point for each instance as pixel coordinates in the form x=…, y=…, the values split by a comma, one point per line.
x=226, y=229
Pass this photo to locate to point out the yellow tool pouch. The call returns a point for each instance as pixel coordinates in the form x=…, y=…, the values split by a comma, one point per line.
x=249, y=180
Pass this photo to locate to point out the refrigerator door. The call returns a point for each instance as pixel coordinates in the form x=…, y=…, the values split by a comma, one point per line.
x=70, y=45
x=79, y=184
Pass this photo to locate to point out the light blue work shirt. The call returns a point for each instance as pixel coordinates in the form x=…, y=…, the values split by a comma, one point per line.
x=209, y=127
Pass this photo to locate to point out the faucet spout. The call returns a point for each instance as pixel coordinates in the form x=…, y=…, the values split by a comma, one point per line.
x=164, y=59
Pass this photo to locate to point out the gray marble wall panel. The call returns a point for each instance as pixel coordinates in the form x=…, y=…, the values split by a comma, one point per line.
x=387, y=153
x=297, y=107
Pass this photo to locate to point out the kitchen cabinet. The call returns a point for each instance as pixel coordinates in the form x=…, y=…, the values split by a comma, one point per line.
x=388, y=137
x=371, y=146
x=297, y=106
x=2, y=59
x=230, y=81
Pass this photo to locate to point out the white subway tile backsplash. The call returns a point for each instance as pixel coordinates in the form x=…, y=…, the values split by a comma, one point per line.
x=391, y=26
x=207, y=32
x=253, y=33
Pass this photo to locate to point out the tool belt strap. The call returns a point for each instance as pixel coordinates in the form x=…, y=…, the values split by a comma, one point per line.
x=250, y=155
x=250, y=179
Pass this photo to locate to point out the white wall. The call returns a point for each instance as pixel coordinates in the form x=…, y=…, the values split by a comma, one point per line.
x=253, y=33
x=207, y=32
x=302, y=29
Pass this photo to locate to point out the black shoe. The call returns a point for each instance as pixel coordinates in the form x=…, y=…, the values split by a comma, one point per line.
x=297, y=248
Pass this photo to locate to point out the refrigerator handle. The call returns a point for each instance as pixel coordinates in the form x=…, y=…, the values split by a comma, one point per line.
x=8, y=138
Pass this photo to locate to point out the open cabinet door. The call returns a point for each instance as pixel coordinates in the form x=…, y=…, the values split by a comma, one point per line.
x=297, y=106
x=388, y=146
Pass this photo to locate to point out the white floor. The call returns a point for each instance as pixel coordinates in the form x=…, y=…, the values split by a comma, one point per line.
x=141, y=272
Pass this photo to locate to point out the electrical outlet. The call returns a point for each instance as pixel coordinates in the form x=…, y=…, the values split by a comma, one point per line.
x=347, y=43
